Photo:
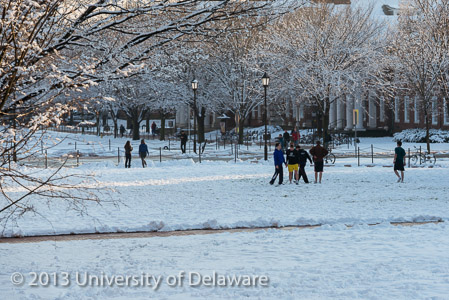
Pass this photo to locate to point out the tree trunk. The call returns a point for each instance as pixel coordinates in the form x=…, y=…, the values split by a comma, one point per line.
x=147, y=123
x=115, y=128
x=241, y=126
x=97, y=118
x=71, y=117
x=325, y=121
x=427, y=118
x=136, y=132
x=200, y=121
x=104, y=115
x=162, y=129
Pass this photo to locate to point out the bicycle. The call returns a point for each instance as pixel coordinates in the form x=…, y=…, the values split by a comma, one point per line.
x=330, y=157
x=423, y=157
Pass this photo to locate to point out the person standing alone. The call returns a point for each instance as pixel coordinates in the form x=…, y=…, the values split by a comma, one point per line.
x=278, y=161
x=183, y=138
x=143, y=151
x=318, y=154
x=128, y=149
x=399, y=161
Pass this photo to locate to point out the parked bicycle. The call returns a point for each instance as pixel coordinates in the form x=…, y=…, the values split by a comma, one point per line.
x=422, y=157
x=330, y=157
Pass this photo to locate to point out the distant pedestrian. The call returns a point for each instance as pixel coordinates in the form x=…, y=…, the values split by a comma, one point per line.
x=122, y=130
x=143, y=151
x=280, y=140
x=128, y=149
x=286, y=137
x=303, y=156
x=318, y=154
x=295, y=136
x=278, y=161
x=183, y=137
x=153, y=128
x=399, y=161
x=292, y=163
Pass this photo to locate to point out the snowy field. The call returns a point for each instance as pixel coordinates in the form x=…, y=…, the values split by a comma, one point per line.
x=331, y=262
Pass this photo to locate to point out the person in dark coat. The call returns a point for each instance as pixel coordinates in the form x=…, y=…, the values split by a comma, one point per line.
x=183, y=138
x=318, y=153
x=286, y=137
x=278, y=161
x=303, y=156
x=292, y=163
x=143, y=151
x=122, y=130
x=128, y=149
x=153, y=128
x=399, y=161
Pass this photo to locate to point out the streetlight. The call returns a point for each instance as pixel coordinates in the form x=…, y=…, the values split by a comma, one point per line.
x=265, y=82
x=194, y=88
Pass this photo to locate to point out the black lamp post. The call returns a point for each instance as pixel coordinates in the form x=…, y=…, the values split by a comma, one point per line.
x=265, y=82
x=194, y=88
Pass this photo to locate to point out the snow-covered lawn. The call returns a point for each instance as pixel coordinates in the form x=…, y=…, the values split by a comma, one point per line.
x=331, y=262
x=176, y=195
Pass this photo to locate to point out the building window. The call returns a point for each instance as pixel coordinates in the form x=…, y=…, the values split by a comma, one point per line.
x=434, y=111
x=406, y=108
x=416, y=110
x=446, y=112
x=382, y=109
x=396, y=109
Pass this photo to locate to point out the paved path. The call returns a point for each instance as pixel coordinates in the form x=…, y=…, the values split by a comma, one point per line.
x=149, y=234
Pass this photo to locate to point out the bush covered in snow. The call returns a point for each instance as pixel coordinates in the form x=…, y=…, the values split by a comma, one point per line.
x=419, y=136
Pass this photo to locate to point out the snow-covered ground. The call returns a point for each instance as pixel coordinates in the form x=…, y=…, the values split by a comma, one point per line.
x=331, y=262
x=62, y=144
x=181, y=194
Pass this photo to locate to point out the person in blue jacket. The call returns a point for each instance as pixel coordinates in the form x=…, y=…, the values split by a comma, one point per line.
x=278, y=161
x=143, y=151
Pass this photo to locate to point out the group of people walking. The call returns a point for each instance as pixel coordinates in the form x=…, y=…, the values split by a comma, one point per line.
x=296, y=160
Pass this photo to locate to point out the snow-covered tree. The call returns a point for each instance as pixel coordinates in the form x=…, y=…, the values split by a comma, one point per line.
x=324, y=51
x=421, y=50
x=51, y=47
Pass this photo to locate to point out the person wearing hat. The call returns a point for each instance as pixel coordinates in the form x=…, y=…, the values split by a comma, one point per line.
x=318, y=153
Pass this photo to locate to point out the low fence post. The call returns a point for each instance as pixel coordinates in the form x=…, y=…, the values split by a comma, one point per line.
x=372, y=154
x=75, y=145
x=160, y=154
x=199, y=154
x=358, y=156
x=420, y=155
x=409, y=157
x=118, y=154
x=109, y=144
x=169, y=144
x=77, y=158
x=46, y=162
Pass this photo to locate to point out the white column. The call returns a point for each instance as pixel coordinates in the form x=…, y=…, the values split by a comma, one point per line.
x=340, y=113
x=358, y=104
x=349, y=108
x=372, y=123
x=332, y=115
